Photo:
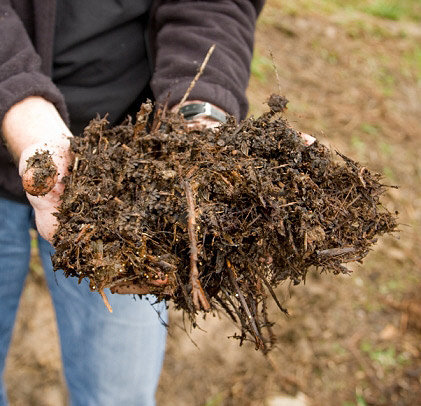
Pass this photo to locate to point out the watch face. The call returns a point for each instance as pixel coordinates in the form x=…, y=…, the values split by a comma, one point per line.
x=190, y=111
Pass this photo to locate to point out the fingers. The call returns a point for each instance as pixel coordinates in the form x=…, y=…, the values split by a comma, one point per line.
x=200, y=123
x=308, y=139
x=46, y=223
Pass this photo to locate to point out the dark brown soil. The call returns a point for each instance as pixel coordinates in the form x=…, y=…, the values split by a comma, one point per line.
x=213, y=219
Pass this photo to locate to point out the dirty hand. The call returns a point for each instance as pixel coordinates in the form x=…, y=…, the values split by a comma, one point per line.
x=308, y=139
x=33, y=128
x=42, y=167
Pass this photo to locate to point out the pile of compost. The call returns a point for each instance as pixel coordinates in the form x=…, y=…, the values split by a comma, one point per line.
x=213, y=219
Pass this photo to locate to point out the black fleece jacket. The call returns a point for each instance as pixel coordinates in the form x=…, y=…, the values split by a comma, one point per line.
x=179, y=35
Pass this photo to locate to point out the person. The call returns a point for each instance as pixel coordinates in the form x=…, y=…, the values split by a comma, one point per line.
x=61, y=64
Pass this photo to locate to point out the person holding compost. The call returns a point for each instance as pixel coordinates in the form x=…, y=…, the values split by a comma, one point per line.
x=61, y=64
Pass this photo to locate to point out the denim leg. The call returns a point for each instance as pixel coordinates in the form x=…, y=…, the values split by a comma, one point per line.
x=15, y=220
x=109, y=359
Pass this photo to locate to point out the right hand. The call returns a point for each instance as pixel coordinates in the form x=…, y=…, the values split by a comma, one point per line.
x=45, y=199
x=32, y=125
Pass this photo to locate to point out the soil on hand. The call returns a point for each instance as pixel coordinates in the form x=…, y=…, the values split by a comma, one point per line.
x=40, y=175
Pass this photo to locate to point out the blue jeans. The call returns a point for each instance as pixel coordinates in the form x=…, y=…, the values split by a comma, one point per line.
x=108, y=359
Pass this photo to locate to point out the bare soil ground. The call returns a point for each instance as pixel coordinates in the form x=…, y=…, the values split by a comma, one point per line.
x=354, y=82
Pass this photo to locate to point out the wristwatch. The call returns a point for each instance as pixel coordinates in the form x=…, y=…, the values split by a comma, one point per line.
x=203, y=109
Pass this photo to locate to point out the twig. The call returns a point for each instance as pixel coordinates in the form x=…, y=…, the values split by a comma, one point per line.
x=186, y=296
x=226, y=308
x=272, y=292
x=117, y=282
x=336, y=252
x=236, y=309
x=278, y=81
x=198, y=74
x=268, y=324
x=105, y=299
x=360, y=176
x=84, y=234
x=257, y=337
x=198, y=294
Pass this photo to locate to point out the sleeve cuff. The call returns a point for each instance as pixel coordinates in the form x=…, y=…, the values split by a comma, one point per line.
x=25, y=84
x=209, y=92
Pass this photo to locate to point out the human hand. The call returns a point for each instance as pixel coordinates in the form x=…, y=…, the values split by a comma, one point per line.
x=202, y=121
x=308, y=139
x=42, y=167
x=30, y=126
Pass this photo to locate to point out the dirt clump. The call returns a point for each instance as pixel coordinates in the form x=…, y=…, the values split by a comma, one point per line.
x=40, y=175
x=213, y=219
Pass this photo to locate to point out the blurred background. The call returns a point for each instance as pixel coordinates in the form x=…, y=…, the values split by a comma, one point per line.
x=352, y=72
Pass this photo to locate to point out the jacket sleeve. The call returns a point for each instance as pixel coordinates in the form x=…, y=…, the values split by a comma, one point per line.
x=181, y=32
x=20, y=66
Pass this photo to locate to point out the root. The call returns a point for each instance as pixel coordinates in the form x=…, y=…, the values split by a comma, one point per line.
x=105, y=299
x=199, y=298
x=257, y=336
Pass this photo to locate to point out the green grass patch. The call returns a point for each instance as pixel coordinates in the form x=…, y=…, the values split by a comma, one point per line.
x=389, y=173
x=384, y=9
x=260, y=67
x=215, y=400
x=386, y=81
x=369, y=129
x=386, y=357
x=412, y=61
x=385, y=149
x=359, y=146
x=360, y=400
x=392, y=286
x=358, y=29
x=303, y=7
x=387, y=9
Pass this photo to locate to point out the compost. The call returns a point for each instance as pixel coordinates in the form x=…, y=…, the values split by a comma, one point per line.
x=213, y=220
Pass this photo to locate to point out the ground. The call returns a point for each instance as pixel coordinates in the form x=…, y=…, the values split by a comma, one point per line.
x=353, y=78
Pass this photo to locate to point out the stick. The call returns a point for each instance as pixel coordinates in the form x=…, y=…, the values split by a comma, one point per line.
x=278, y=81
x=336, y=252
x=272, y=292
x=258, y=339
x=186, y=296
x=268, y=324
x=198, y=74
x=105, y=299
x=198, y=294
